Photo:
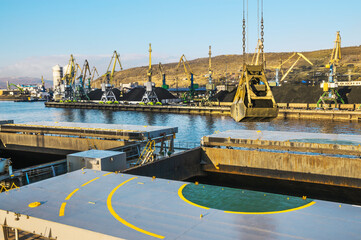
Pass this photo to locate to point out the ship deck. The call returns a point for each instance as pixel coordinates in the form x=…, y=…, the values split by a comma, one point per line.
x=92, y=204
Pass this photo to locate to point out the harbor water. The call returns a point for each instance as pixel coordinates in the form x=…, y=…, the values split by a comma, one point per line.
x=191, y=128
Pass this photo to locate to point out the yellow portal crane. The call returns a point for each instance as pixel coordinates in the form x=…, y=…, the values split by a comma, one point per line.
x=279, y=68
x=149, y=73
x=70, y=71
x=150, y=97
x=300, y=55
x=189, y=73
x=210, y=87
x=107, y=86
x=83, y=74
x=69, y=78
x=43, y=89
x=77, y=67
x=336, y=53
x=210, y=61
x=329, y=88
x=80, y=93
x=94, y=70
x=109, y=75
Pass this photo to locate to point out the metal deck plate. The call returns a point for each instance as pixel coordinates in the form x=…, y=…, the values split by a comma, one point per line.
x=131, y=207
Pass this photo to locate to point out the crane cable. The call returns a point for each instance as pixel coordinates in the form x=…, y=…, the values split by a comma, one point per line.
x=262, y=33
x=244, y=33
x=247, y=31
x=258, y=19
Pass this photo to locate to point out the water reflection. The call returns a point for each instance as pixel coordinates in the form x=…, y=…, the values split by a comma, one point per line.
x=190, y=127
x=82, y=115
x=210, y=123
x=149, y=118
x=68, y=115
x=108, y=116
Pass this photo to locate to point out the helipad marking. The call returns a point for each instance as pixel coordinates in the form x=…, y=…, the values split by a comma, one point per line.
x=282, y=211
x=62, y=208
x=71, y=194
x=186, y=200
x=180, y=193
x=111, y=210
x=90, y=181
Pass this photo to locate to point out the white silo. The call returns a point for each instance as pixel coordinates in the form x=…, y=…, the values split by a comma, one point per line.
x=57, y=75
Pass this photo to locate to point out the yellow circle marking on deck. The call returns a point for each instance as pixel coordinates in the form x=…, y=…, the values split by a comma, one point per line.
x=90, y=181
x=180, y=190
x=180, y=193
x=71, y=194
x=282, y=211
x=111, y=210
x=62, y=209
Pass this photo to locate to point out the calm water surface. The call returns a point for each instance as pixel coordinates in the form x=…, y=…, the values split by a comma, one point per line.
x=190, y=127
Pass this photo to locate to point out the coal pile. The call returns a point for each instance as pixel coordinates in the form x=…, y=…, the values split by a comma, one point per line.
x=352, y=94
x=221, y=95
x=163, y=93
x=136, y=94
x=289, y=93
x=225, y=96
x=98, y=93
x=292, y=93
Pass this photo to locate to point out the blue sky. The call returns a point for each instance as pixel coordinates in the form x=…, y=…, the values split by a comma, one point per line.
x=38, y=34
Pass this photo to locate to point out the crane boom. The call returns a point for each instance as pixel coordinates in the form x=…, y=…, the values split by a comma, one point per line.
x=94, y=70
x=110, y=74
x=336, y=51
x=85, y=70
x=149, y=73
x=184, y=62
x=188, y=71
x=258, y=52
x=330, y=92
x=300, y=55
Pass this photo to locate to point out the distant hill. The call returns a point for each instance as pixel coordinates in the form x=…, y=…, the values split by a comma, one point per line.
x=231, y=64
x=24, y=81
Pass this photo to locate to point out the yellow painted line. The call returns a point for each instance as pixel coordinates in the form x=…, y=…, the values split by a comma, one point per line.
x=71, y=194
x=62, y=208
x=111, y=210
x=186, y=200
x=282, y=211
x=89, y=181
x=106, y=174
